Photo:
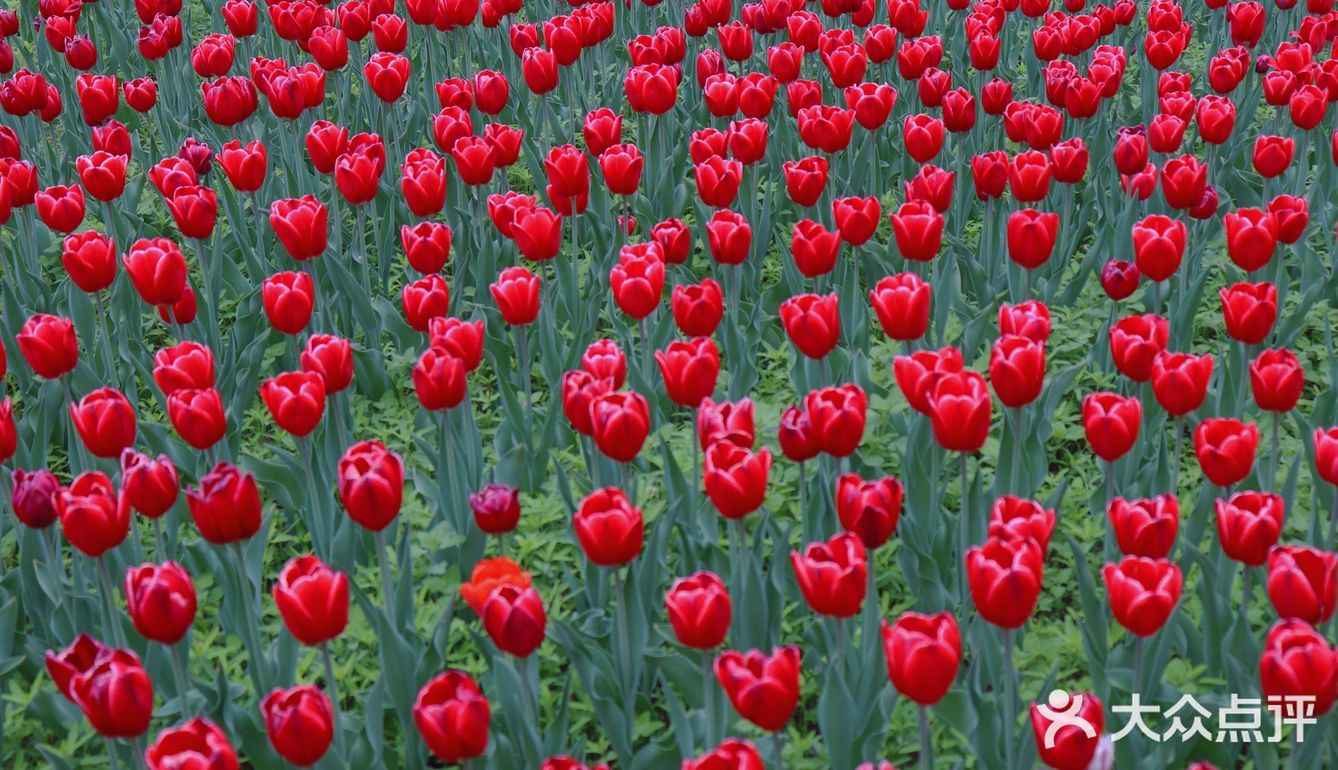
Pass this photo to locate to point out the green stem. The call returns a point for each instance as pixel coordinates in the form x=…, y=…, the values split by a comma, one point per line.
x=926, y=747
x=708, y=699
x=178, y=653
x=112, y=760
x=332, y=689
x=1274, y=453
x=1138, y=664
x=251, y=636
x=778, y=748
x=963, y=529
x=387, y=588
x=106, y=588
x=1010, y=698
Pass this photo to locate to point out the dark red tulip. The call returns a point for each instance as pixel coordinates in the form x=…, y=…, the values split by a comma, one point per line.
x=371, y=484
x=514, y=618
x=198, y=744
x=32, y=496
x=496, y=508
x=226, y=505
x=160, y=599
x=92, y=516
x=299, y=722
x=115, y=694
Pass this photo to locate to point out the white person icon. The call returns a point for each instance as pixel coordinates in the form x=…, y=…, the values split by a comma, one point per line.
x=1063, y=710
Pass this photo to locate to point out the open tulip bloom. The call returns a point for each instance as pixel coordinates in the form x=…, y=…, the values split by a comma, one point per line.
x=709, y=385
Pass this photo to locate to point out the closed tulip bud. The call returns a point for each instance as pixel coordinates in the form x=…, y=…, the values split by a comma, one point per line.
x=1303, y=583
x=516, y=294
x=1180, y=381
x=689, y=369
x=226, y=505
x=608, y=527
x=901, y=303
x=637, y=280
x=1249, y=310
x=197, y=416
x=923, y=653
x=299, y=722
x=371, y=484
x=1326, y=454
x=92, y=517
x=90, y=260
x=763, y=688
x=157, y=269
x=105, y=420
x=814, y=248
x=453, y=717
x=427, y=245
x=1069, y=745
x=918, y=230
x=870, y=509
x=1252, y=238
x=1031, y=237
x=160, y=599
x=102, y=174
x=620, y=423
x=856, y=218
x=295, y=400
x=699, y=610
x=1298, y=661
x=1119, y=279
x=812, y=322
x=198, y=744
x=1005, y=578
x=805, y=179
x=32, y=496
x=960, y=407
x=1225, y=448
x=1111, y=423
x=1135, y=343
x=301, y=225
x=514, y=618
x=697, y=308
x=1143, y=592
x=735, y=478
x=115, y=694
x=194, y=209
x=288, y=299
x=832, y=576
x=621, y=166
x=1248, y=525
x=1276, y=380
x=1159, y=245
x=496, y=508
x=1145, y=528
x=312, y=599
x=1017, y=370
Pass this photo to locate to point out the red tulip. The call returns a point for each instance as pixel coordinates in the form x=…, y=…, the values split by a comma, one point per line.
x=699, y=610
x=689, y=369
x=92, y=517
x=1111, y=423
x=453, y=717
x=735, y=478
x=105, y=420
x=1005, y=578
x=295, y=400
x=726, y=421
x=1326, y=454
x=102, y=174
x=1225, y=448
x=901, y=303
x=301, y=225
x=1252, y=238
x=1159, y=245
x=61, y=208
x=226, y=505
x=870, y=509
x=1145, y=528
x=637, y=280
x=1143, y=592
x=763, y=688
x=115, y=694
x=675, y=240
x=1298, y=662
x=1249, y=310
x=697, y=308
x=371, y=484
x=1180, y=381
x=805, y=179
x=856, y=218
x=837, y=416
x=812, y=322
x=496, y=508
x=620, y=422
x=197, y=416
x=1017, y=370
x=960, y=407
x=1135, y=343
x=918, y=230
x=814, y=248
x=832, y=576
x=90, y=259
x=1030, y=319
x=608, y=527
x=1064, y=744
x=1248, y=525
x=1303, y=583
x=1031, y=237
x=516, y=294
x=923, y=654
x=194, y=209
x=160, y=599
x=604, y=359
x=1276, y=380
x=514, y=617
x=621, y=166
x=198, y=743
x=299, y=722
x=1018, y=517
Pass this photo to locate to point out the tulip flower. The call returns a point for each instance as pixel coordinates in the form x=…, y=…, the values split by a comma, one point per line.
x=312, y=600
x=33, y=495
x=733, y=754
x=608, y=527
x=453, y=717
x=763, y=688
x=1143, y=592
x=832, y=575
x=923, y=653
x=1298, y=661
x=115, y=694
x=1225, y=448
x=92, y=517
x=1005, y=578
x=196, y=741
x=300, y=723
x=699, y=610
x=514, y=618
x=1303, y=583
x=869, y=509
